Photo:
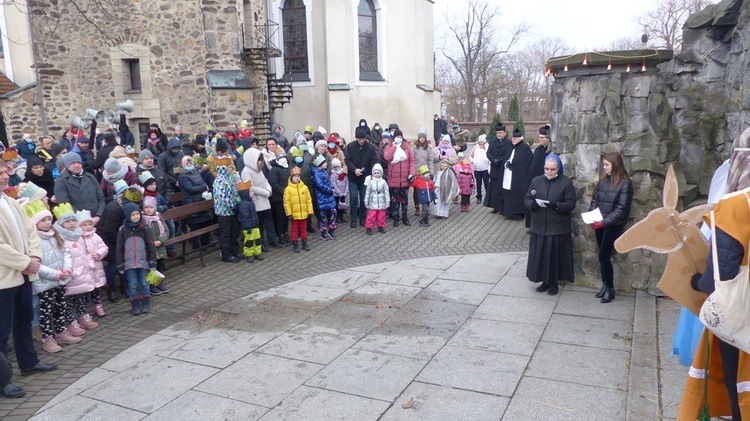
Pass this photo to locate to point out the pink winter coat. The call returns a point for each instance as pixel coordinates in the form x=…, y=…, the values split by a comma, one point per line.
x=87, y=272
x=465, y=175
x=400, y=171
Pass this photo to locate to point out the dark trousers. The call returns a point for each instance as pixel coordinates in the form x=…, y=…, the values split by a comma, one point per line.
x=16, y=313
x=229, y=233
x=78, y=304
x=357, y=200
x=399, y=196
x=482, y=177
x=6, y=371
x=265, y=222
x=465, y=199
x=205, y=238
x=605, y=239
x=280, y=220
x=730, y=359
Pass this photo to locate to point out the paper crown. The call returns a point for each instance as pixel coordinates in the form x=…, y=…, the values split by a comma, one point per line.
x=82, y=216
x=63, y=210
x=295, y=171
x=12, y=192
x=120, y=186
x=424, y=169
x=31, y=191
x=10, y=154
x=134, y=193
x=142, y=177
x=243, y=124
x=34, y=208
x=245, y=185
x=227, y=161
x=319, y=160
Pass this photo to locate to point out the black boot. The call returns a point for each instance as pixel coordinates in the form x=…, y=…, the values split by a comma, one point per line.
x=405, y=215
x=600, y=293
x=354, y=222
x=394, y=213
x=136, y=304
x=145, y=304
x=305, y=247
x=112, y=294
x=609, y=295
x=361, y=221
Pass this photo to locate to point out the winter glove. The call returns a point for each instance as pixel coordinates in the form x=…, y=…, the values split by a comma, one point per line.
x=410, y=178
x=552, y=205
x=534, y=206
x=496, y=162
x=509, y=165
x=597, y=225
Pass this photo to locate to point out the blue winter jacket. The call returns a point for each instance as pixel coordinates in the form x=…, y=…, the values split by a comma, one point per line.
x=246, y=211
x=323, y=189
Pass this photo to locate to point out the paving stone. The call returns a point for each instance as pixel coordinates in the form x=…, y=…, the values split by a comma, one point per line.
x=134, y=355
x=516, y=286
x=204, y=406
x=435, y=314
x=151, y=384
x=519, y=267
x=418, y=277
x=374, y=268
x=644, y=351
x=482, y=268
x=443, y=263
x=582, y=365
x=584, y=304
x=405, y=339
x=341, y=279
x=355, y=319
x=643, y=394
x=456, y=291
x=260, y=379
x=644, y=318
x=243, y=304
x=588, y=331
x=308, y=403
x=505, y=337
x=672, y=388
x=217, y=347
x=551, y=400
x=517, y=309
x=432, y=402
x=87, y=381
x=376, y=293
x=474, y=369
x=308, y=297
x=310, y=343
x=368, y=374
x=77, y=408
x=267, y=318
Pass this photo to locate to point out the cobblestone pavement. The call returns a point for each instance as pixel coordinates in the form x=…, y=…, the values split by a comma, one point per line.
x=195, y=288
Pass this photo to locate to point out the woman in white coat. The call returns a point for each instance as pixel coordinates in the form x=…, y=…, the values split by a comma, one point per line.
x=253, y=171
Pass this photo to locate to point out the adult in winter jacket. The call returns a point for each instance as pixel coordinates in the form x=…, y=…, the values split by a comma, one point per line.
x=278, y=178
x=613, y=197
x=193, y=187
x=278, y=135
x=109, y=141
x=113, y=172
x=170, y=160
x=79, y=188
x=550, y=199
x=262, y=192
x=481, y=163
x=517, y=159
x=439, y=127
x=536, y=167
x=376, y=135
x=495, y=153
x=363, y=125
x=360, y=156
x=401, y=172
x=146, y=159
x=37, y=174
x=26, y=146
x=335, y=152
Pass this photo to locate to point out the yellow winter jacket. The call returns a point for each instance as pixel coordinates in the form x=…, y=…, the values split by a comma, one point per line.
x=297, y=200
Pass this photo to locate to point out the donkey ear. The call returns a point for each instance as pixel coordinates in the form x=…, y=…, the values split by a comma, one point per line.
x=695, y=215
x=671, y=189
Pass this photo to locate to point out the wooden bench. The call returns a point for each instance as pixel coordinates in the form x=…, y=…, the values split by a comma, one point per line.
x=181, y=213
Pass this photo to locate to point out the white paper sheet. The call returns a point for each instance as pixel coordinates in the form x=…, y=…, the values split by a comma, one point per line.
x=542, y=203
x=593, y=216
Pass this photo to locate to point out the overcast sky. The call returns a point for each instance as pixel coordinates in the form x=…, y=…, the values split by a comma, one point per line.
x=583, y=24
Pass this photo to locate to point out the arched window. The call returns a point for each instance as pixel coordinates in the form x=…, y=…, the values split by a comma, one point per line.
x=294, y=21
x=368, y=41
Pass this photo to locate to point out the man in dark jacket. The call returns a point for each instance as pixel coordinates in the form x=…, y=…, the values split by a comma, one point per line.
x=81, y=147
x=495, y=153
x=78, y=187
x=281, y=140
x=360, y=156
x=438, y=128
x=170, y=160
x=536, y=168
x=517, y=159
x=109, y=143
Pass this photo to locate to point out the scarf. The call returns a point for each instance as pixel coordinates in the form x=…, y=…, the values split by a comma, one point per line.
x=333, y=150
x=399, y=155
x=115, y=177
x=445, y=146
x=149, y=220
x=66, y=234
x=150, y=193
x=739, y=164
x=46, y=234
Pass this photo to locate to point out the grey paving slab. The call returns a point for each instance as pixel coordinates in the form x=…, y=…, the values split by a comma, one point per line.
x=374, y=268
x=475, y=369
x=436, y=314
x=151, y=384
x=134, y=355
x=492, y=335
x=268, y=318
x=240, y=305
x=356, y=319
x=643, y=394
x=517, y=309
x=519, y=267
x=442, y=263
x=341, y=279
x=376, y=293
x=77, y=408
x=308, y=297
x=516, y=286
x=581, y=365
x=586, y=305
x=416, y=277
x=217, y=347
x=644, y=318
x=202, y=406
x=405, y=339
x=91, y=379
x=551, y=400
x=589, y=331
x=484, y=268
x=440, y=403
x=260, y=379
x=456, y=291
x=368, y=374
x=309, y=403
x=310, y=343
x=671, y=396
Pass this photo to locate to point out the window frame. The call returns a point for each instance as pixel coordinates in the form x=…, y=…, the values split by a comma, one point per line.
x=301, y=76
x=368, y=74
x=134, y=75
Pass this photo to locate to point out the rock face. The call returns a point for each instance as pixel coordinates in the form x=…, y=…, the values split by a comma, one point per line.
x=686, y=113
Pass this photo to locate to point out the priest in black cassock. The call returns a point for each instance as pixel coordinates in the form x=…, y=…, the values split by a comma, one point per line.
x=515, y=180
x=537, y=162
x=495, y=153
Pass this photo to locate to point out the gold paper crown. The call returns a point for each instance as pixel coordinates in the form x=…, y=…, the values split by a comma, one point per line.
x=62, y=210
x=245, y=185
x=35, y=207
x=10, y=154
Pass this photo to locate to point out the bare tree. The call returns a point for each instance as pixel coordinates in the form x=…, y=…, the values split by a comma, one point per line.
x=664, y=22
x=477, y=38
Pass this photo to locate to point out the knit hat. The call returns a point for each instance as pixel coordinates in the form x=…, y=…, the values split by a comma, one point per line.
x=393, y=126
x=281, y=154
x=544, y=130
x=461, y=155
x=517, y=133
x=55, y=149
x=319, y=160
x=335, y=162
x=424, y=169
x=114, y=170
x=128, y=209
x=421, y=132
x=32, y=161
x=301, y=140
x=31, y=192
x=308, y=129
x=64, y=212
x=445, y=138
x=499, y=126
x=295, y=171
x=148, y=201
x=145, y=154
x=134, y=194
x=297, y=152
x=398, y=133
x=120, y=186
x=222, y=145
x=37, y=211
x=320, y=143
x=332, y=138
x=377, y=168
x=360, y=133
x=145, y=177
x=322, y=130
x=70, y=158
x=482, y=138
x=83, y=216
x=317, y=135
x=386, y=135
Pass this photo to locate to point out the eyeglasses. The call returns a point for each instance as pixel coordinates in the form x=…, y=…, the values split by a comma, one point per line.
x=550, y=169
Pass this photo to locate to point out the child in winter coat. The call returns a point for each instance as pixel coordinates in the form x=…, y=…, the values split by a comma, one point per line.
x=424, y=188
x=160, y=234
x=151, y=189
x=377, y=199
x=446, y=188
x=340, y=183
x=249, y=223
x=55, y=317
x=88, y=262
x=324, y=195
x=465, y=176
x=226, y=200
x=298, y=206
x=445, y=152
x=135, y=255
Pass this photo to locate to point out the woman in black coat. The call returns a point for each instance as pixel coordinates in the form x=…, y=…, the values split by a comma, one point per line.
x=193, y=187
x=551, y=198
x=613, y=197
x=278, y=178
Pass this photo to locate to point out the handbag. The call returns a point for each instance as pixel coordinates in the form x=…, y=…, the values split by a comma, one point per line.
x=726, y=312
x=342, y=205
